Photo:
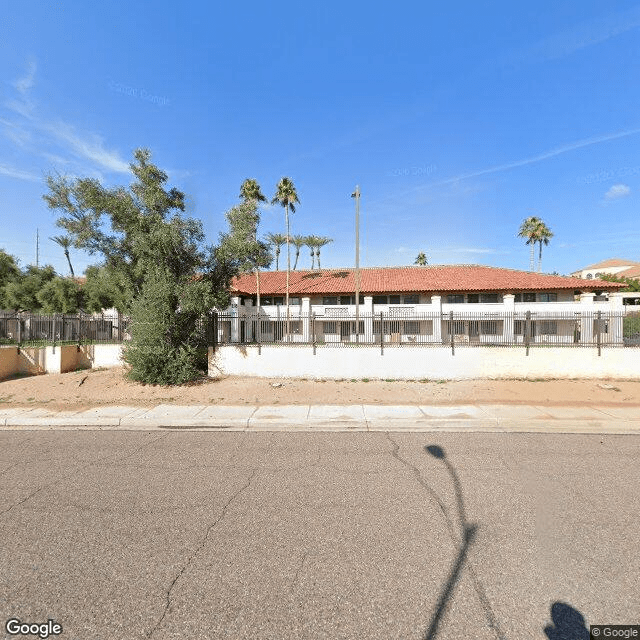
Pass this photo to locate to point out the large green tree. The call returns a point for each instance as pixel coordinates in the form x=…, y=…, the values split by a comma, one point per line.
x=60, y=295
x=21, y=293
x=167, y=277
x=9, y=272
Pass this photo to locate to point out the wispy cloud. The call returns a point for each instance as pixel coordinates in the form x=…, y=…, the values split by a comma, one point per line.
x=25, y=83
x=90, y=147
x=580, y=36
x=50, y=138
x=617, y=191
x=12, y=172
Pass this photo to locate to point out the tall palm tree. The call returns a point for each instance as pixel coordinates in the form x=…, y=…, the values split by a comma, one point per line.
x=530, y=229
x=421, y=259
x=276, y=240
x=287, y=197
x=298, y=242
x=544, y=235
x=250, y=192
x=65, y=243
x=321, y=242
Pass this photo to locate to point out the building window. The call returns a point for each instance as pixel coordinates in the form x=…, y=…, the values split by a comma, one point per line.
x=331, y=327
x=411, y=327
x=394, y=299
x=266, y=301
x=294, y=300
x=528, y=297
x=379, y=299
x=548, y=327
x=456, y=298
x=330, y=300
x=489, y=327
x=489, y=297
x=350, y=299
x=548, y=297
x=589, y=276
x=412, y=298
x=473, y=298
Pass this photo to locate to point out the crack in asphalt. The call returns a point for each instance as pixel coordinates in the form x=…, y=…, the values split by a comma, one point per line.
x=298, y=570
x=201, y=546
x=477, y=584
x=76, y=471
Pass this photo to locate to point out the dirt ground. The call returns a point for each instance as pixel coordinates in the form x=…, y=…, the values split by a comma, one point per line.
x=99, y=387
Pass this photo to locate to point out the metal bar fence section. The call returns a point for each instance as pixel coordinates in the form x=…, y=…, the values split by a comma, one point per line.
x=20, y=328
x=454, y=329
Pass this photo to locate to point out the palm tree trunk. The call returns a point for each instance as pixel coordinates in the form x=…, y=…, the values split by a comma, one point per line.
x=313, y=259
x=66, y=253
x=286, y=210
x=295, y=264
x=318, y=256
x=532, y=257
x=540, y=257
x=277, y=258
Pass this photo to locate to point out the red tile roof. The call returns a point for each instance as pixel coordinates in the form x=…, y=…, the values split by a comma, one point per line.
x=432, y=278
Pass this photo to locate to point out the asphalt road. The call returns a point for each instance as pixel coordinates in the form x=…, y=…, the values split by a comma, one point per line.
x=318, y=535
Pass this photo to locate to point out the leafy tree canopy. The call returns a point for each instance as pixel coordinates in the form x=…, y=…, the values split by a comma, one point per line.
x=633, y=284
x=21, y=293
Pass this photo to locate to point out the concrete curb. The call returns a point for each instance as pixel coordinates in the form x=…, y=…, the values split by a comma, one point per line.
x=328, y=418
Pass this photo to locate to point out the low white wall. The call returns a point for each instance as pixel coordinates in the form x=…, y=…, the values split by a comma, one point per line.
x=431, y=362
x=59, y=359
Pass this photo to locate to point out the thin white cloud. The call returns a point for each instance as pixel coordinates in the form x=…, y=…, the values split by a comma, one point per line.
x=49, y=138
x=90, y=147
x=12, y=172
x=24, y=84
x=545, y=155
x=617, y=191
x=587, y=34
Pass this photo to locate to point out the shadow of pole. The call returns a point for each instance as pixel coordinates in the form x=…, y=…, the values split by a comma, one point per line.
x=454, y=575
x=468, y=535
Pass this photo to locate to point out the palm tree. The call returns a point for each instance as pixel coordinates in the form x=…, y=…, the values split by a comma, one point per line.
x=311, y=243
x=287, y=197
x=276, y=240
x=421, y=259
x=530, y=229
x=299, y=242
x=65, y=243
x=250, y=192
x=320, y=242
x=544, y=235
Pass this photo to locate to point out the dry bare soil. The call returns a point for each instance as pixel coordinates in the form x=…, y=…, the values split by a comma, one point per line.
x=99, y=387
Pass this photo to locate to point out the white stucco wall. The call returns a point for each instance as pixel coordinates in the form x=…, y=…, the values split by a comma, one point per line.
x=426, y=362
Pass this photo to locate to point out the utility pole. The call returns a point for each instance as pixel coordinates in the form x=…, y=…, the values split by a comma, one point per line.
x=356, y=195
x=37, y=247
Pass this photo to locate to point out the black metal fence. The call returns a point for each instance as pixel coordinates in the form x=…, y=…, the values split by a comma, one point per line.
x=40, y=329
x=455, y=329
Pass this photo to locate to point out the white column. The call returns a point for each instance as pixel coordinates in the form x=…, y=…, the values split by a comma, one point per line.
x=616, y=309
x=367, y=311
x=436, y=303
x=235, y=320
x=587, y=309
x=250, y=326
x=305, y=311
x=509, y=308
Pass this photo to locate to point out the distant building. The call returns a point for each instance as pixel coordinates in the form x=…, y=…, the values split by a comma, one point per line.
x=613, y=267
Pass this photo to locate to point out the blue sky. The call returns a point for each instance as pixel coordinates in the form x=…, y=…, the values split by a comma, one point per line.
x=457, y=120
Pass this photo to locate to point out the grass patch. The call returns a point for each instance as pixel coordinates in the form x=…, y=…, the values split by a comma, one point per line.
x=6, y=398
x=366, y=380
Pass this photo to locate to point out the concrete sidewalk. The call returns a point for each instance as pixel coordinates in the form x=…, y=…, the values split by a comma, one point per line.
x=481, y=417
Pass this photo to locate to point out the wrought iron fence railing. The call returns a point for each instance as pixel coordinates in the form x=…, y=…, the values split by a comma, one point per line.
x=453, y=329
x=30, y=329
